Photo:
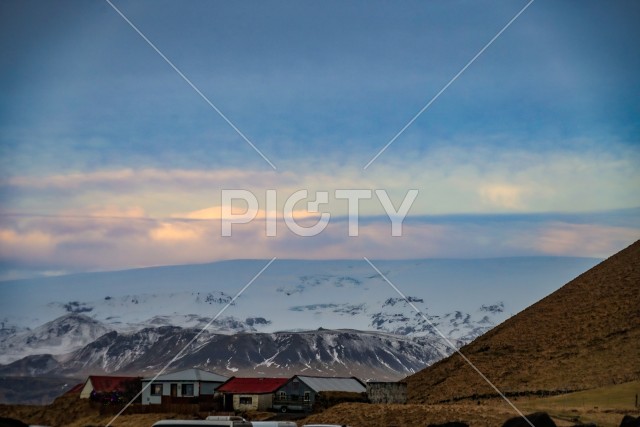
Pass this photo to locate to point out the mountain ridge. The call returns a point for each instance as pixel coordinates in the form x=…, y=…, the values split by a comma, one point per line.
x=347, y=352
x=308, y=294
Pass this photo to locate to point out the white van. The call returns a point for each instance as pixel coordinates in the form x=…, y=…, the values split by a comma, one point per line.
x=211, y=421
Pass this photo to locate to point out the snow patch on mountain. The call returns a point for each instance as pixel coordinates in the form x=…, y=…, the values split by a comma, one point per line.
x=60, y=336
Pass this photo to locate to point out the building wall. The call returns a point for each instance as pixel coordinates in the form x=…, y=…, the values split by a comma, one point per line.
x=86, y=390
x=293, y=389
x=387, y=392
x=148, y=399
x=209, y=388
x=259, y=402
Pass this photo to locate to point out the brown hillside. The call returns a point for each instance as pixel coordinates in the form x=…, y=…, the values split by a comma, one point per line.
x=584, y=335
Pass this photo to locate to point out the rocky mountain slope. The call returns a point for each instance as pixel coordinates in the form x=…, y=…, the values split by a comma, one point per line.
x=368, y=355
x=584, y=335
x=62, y=335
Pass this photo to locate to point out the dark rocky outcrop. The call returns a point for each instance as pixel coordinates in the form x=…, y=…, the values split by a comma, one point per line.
x=538, y=419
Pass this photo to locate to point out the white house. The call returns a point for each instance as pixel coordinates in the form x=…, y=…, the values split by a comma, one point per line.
x=186, y=383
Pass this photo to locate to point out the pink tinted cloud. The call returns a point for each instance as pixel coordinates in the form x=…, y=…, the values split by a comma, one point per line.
x=583, y=239
x=108, y=243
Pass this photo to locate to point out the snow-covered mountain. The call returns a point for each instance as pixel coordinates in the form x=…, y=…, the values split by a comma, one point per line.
x=57, y=337
x=368, y=355
x=461, y=298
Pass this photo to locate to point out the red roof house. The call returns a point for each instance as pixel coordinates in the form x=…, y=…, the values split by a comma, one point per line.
x=252, y=385
x=104, y=384
x=250, y=393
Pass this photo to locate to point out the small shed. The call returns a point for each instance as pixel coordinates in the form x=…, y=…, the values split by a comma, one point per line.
x=105, y=384
x=185, y=383
x=300, y=392
x=387, y=392
x=250, y=394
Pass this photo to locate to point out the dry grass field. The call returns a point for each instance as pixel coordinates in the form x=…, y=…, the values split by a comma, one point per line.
x=411, y=415
x=605, y=407
x=487, y=414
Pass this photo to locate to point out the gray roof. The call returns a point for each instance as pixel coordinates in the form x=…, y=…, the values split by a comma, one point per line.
x=333, y=384
x=190, y=375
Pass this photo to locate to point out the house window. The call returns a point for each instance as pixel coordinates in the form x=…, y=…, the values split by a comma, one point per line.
x=295, y=397
x=282, y=395
x=307, y=396
x=187, y=389
x=156, y=389
x=246, y=400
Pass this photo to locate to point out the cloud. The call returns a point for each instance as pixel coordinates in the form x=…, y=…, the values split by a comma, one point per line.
x=502, y=195
x=450, y=180
x=122, y=178
x=471, y=203
x=235, y=210
x=98, y=243
x=559, y=238
x=175, y=232
x=16, y=244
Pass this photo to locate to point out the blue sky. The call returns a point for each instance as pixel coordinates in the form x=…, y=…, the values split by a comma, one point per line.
x=106, y=151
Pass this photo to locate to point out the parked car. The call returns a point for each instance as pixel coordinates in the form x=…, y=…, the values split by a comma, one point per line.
x=211, y=421
x=290, y=407
x=273, y=424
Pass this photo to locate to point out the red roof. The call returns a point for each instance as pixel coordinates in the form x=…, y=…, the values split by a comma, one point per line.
x=252, y=385
x=108, y=384
x=75, y=389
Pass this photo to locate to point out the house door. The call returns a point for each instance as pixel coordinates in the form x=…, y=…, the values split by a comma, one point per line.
x=228, y=402
x=174, y=390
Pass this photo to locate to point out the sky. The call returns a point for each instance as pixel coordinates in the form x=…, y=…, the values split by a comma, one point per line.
x=109, y=159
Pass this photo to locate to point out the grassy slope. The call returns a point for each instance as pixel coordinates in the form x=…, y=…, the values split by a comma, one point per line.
x=603, y=406
x=621, y=397
x=585, y=335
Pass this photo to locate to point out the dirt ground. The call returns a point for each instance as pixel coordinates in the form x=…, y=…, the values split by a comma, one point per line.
x=74, y=412
x=486, y=414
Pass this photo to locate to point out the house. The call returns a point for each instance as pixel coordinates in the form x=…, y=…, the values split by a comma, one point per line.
x=186, y=383
x=97, y=384
x=301, y=392
x=255, y=394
